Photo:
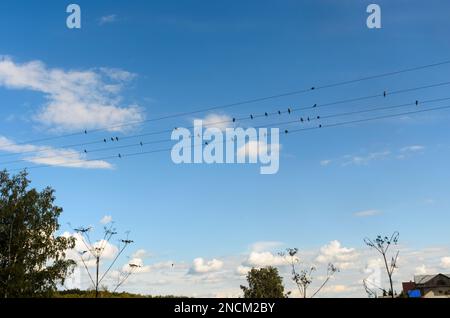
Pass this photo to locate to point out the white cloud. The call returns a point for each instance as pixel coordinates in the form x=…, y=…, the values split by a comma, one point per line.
x=421, y=270
x=325, y=163
x=367, y=213
x=108, y=19
x=242, y=270
x=414, y=148
x=106, y=219
x=264, y=246
x=445, y=262
x=263, y=259
x=219, y=121
x=253, y=149
x=136, y=266
x=141, y=253
x=76, y=100
x=364, y=160
x=335, y=253
x=201, y=266
x=44, y=155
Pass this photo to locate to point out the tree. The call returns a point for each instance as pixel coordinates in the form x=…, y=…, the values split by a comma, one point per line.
x=382, y=245
x=303, y=277
x=264, y=283
x=32, y=258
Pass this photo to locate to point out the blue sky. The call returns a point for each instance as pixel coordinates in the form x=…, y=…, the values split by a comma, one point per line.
x=341, y=183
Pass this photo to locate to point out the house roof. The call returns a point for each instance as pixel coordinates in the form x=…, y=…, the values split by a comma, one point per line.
x=423, y=279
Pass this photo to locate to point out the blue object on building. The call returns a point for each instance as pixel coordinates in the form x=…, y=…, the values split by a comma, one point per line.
x=415, y=293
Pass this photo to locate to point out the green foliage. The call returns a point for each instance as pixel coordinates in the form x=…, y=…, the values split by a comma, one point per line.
x=76, y=293
x=264, y=283
x=32, y=258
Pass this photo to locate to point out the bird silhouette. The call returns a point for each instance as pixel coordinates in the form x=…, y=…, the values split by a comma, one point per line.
x=279, y=112
x=286, y=131
x=417, y=102
x=117, y=138
x=266, y=114
x=301, y=119
x=104, y=140
x=384, y=94
x=234, y=120
x=251, y=116
x=289, y=110
x=120, y=156
x=315, y=105
x=141, y=143
x=85, y=132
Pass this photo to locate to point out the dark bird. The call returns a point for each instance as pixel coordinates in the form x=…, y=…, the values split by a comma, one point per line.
x=320, y=126
x=141, y=143
x=120, y=156
x=308, y=119
x=117, y=138
x=206, y=143
x=234, y=120
x=266, y=114
x=85, y=132
x=315, y=105
x=313, y=88
x=112, y=139
x=286, y=131
x=85, y=151
x=301, y=119
x=127, y=241
x=384, y=94
x=251, y=116
x=279, y=112
x=318, y=117
x=417, y=102
x=104, y=140
x=289, y=110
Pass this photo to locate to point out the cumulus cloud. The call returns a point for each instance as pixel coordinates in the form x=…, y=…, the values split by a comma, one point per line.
x=263, y=259
x=44, y=155
x=75, y=99
x=445, y=262
x=335, y=253
x=242, y=270
x=201, y=266
x=367, y=213
x=82, y=247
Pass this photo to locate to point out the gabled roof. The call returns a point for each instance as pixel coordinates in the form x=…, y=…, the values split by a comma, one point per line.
x=423, y=279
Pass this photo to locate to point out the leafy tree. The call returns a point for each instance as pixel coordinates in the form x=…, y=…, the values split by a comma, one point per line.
x=32, y=258
x=264, y=283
